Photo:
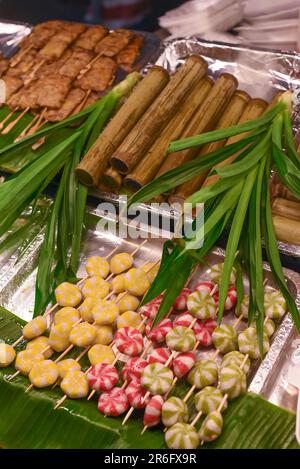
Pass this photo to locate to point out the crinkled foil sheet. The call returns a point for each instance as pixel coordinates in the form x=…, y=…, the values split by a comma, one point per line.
x=10, y=36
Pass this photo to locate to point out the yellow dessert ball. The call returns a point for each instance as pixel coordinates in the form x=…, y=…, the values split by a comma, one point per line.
x=43, y=374
x=67, y=365
x=97, y=266
x=68, y=313
x=105, y=312
x=85, y=309
x=127, y=302
x=40, y=345
x=151, y=270
x=75, y=384
x=105, y=335
x=118, y=283
x=67, y=294
x=83, y=334
x=136, y=282
x=101, y=354
x=121, y=262
x=95, y=287
x=35, y=328
x=25, y=361
x=7, y=355
x=129, y=319
x=59, y=337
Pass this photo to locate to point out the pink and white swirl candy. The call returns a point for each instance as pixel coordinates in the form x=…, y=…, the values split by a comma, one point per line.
x=133, y=368
x=203, y=331
x=159, y=355
x=184, y=319
x=183, y=363
x=180, y=302
x=150, y=309
x=135, y=394
x=102, y=377
x=159, y=332
x=129, y=341
x=231, y=298
x=152, y=414
x=206, y=285
x=113, y=402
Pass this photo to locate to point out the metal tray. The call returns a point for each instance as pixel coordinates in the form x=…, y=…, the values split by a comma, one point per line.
x=266, y=378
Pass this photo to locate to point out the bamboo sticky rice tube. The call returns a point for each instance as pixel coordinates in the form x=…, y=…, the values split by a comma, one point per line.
x=95, y=161
x=253, y=110
x=139, y=140
x=230, y=117
x=203, y=120
x=147, y=168
x=111, y=178
x=286, y=208
x=287, y=230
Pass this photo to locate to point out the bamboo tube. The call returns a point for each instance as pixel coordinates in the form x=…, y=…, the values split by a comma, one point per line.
x=286, y=208
x=287, y=230
x=230, y=117
x=158, y=115
x=203, y=120
x=111, y=178
x=147, y=168
x=253, y=110
x=95, y=161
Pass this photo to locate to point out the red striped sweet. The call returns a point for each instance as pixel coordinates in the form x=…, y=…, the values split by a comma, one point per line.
x=183, y=363
x=113, y=402
x=133, y=368
x=159, y=355
x=135, y=394
x=152, y=414
x=150, y=309
x=203, y=331
x=184, y=319
x=129, y=341
x=206, y=285
x=159, y=332
x=180, y=302
x=231, y=298
x=102, y=377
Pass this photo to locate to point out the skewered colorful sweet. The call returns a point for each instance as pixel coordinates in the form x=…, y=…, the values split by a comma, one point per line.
x=269, y=327
x=135, y=394
x=204, y=373
x=83, y=334
x=101, y=354
x=203, y=331
x=150, y=309
x=127, y=302
x=181, y=339
x=102, y=377
x=159, y=332
x=244, y=308
x=121, y=262
x=67, y=314
x=216, y=273
x=275, y=304
x=206, y=286
x=157, y=378
x=182, y=436
x=183, y=363
x=132, y=370
x=95, y=287
x=232, y=381
x=184, y=319
x=118, y=284
x=104, y=335
x=43, y=374
x=75, y=384
x=202, y=305
x=105, y=312
x=159, y=355
x=97, y=266
x=211, y=427
x=209, y=399
x=152, y=414
x=7, y=354
x=85, y=309
x=66, y=366
x=113, y=402
x=151, y=270
x=35, y=327
x=231, y=298
x=40, y=345
x=248, y=343
x=67, y=294
x=129, y=341
x=136, y=282
x=236, y=358
x=174, y=410
x=224, y=338
x=130, y=319
x=25, y=361
x=59, y=337
x=180, y=304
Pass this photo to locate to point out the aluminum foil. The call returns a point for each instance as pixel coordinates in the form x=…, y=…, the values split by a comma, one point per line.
x=10, y=36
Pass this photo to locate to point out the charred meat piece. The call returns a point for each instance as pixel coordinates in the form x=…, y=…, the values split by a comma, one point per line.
x=26, y=97
x=13, y=84
x=72, y=100
x=113, y=43
x=25, y=65
x=100, y=76
x=4, y=64
x=77, y=61
x=90, y=38
x=128, y=55
x=53, y=68
x=57, y=45
x=52, y=91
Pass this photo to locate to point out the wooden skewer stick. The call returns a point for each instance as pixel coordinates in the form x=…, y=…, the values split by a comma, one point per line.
x=88, y=66
x=21, y=54
x=24, y=132
x=12, y=124
x=82, y=104
x=7, y=119
x=39, y=123
x=32, y=74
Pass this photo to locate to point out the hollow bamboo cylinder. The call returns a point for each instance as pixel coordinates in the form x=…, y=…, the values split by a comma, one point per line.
x=111, y=178
x=286, y=208
x=286, y=229
x=95, y=161
x=139, y=140
x=203, y=120
x=230, y=117
x=254, y=109
x=147, y=168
